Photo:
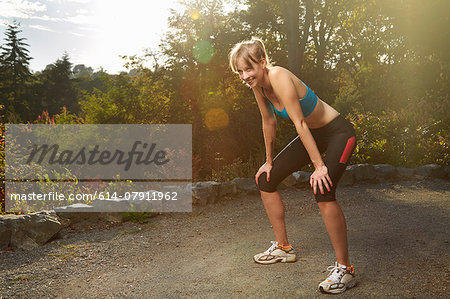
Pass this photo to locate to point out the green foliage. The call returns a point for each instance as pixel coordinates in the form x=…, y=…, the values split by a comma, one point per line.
x=26, y=95
x=141, y=217
x=65, y=117
x=406, y=138
x=81, y=71
x=14, y=57
x=58, y=88
x=128, y=100
x=14, y=73
x=238, y=168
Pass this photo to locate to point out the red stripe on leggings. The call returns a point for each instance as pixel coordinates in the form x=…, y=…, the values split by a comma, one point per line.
x=347, y=150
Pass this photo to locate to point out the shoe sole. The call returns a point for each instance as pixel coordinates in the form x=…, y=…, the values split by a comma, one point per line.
x=351, y=284
x=281, y=260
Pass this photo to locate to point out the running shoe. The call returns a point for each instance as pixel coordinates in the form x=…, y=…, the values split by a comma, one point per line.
x=276, y=253
x=340, y=278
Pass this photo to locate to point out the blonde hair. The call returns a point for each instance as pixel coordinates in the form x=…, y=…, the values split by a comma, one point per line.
x=249, y=50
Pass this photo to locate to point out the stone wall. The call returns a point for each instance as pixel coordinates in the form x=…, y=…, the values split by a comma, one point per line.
x=34, y=229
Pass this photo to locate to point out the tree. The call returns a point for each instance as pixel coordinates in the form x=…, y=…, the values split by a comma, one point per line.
x=196, y=46
x=14, y=71
x=58, y=87
x=80, y=70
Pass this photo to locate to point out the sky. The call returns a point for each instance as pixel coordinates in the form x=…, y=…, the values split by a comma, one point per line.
x=92, y=32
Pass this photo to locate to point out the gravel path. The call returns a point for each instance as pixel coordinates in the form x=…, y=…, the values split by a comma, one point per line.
x=398, y=242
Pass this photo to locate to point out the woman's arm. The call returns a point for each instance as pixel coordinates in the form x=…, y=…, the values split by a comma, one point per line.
x=269, y=125
x=269, y=132
x=285, y=91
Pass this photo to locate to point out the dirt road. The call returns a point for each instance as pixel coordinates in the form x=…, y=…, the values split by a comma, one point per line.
x=398, y=241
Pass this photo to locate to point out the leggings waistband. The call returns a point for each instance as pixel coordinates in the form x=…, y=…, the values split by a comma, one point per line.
x=336, y=122
x=339, y=125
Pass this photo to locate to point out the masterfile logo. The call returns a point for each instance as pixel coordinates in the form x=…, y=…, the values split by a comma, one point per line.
x=99, y=151
x=109, y=168
x=91, y=157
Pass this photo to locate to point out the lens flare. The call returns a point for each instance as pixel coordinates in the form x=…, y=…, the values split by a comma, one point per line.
x=195, y=14
x=203, y=51
x=216, y=118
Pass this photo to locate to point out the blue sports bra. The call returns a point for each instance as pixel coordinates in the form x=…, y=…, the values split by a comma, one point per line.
x=307, y=103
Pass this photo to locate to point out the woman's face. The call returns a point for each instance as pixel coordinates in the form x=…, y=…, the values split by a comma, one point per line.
x=251, y=74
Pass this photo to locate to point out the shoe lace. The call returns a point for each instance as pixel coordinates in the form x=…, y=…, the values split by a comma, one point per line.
x=336, y=273
x=271, y=248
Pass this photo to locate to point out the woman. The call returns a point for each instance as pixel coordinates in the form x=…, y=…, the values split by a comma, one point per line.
x=320, y=129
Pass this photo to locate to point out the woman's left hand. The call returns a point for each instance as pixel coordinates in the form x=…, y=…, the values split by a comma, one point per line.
x=320, y=176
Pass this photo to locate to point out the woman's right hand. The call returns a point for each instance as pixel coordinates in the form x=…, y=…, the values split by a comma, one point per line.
x=266, y=167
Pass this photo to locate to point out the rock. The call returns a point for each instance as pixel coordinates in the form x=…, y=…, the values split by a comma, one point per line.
x=76, y=207
x=227, y=188
x=301, y=178
x=290, y=181
x=430, y=171
x=246, y=185
x=447, y=171
x=363, y=172
x=296, y=179
x=28, y=231
x=5, y=233
x=65, y=222
x=348, y=177
x=385, y=171
x=78, y=212
x=183, y=196
x=205, y=192
x=112, y=205
x=405, y=173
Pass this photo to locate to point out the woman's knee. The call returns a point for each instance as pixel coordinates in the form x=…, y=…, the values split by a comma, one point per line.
x=327, y=196
x=264, y=185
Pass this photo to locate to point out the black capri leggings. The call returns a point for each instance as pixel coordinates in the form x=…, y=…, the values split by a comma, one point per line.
x=337, y=140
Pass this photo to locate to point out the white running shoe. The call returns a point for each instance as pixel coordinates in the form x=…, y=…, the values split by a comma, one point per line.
x=276, y=253
x=340, y=278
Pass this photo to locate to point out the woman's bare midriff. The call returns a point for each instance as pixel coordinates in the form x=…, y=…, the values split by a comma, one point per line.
x=321, y=116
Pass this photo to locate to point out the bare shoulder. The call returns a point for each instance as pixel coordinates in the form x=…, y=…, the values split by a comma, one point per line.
x=280, y=75
x=281, y=79
x=278, y=71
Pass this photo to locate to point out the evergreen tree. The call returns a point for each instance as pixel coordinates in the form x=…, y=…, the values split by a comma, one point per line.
x=14, y=70
x=81, y=71
x=14, y=61
x=59, y=89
